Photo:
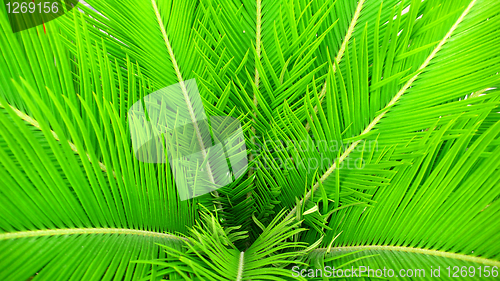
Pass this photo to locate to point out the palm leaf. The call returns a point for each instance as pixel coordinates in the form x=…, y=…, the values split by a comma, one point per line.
x=373, y=134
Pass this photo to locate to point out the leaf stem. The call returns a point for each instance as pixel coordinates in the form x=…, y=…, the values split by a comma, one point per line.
x=257, y=76
x=35, y=124
x=82, y=231
x=186, y=96
x=340, y=54
x=456, y=256
x=240, y=267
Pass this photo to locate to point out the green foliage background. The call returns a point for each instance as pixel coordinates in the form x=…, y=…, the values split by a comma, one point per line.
x=405, y=90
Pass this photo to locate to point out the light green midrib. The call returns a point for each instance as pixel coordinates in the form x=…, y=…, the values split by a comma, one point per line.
x=241, y=266
x=81, y=231
x=340, y=54
x=194, y=120
x=437, y=253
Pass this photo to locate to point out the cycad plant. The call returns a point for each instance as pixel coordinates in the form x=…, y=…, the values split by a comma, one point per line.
x=372, y=132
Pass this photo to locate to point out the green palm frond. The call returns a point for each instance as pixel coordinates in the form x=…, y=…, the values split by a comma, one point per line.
x=211, y=253
x=372, y=132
